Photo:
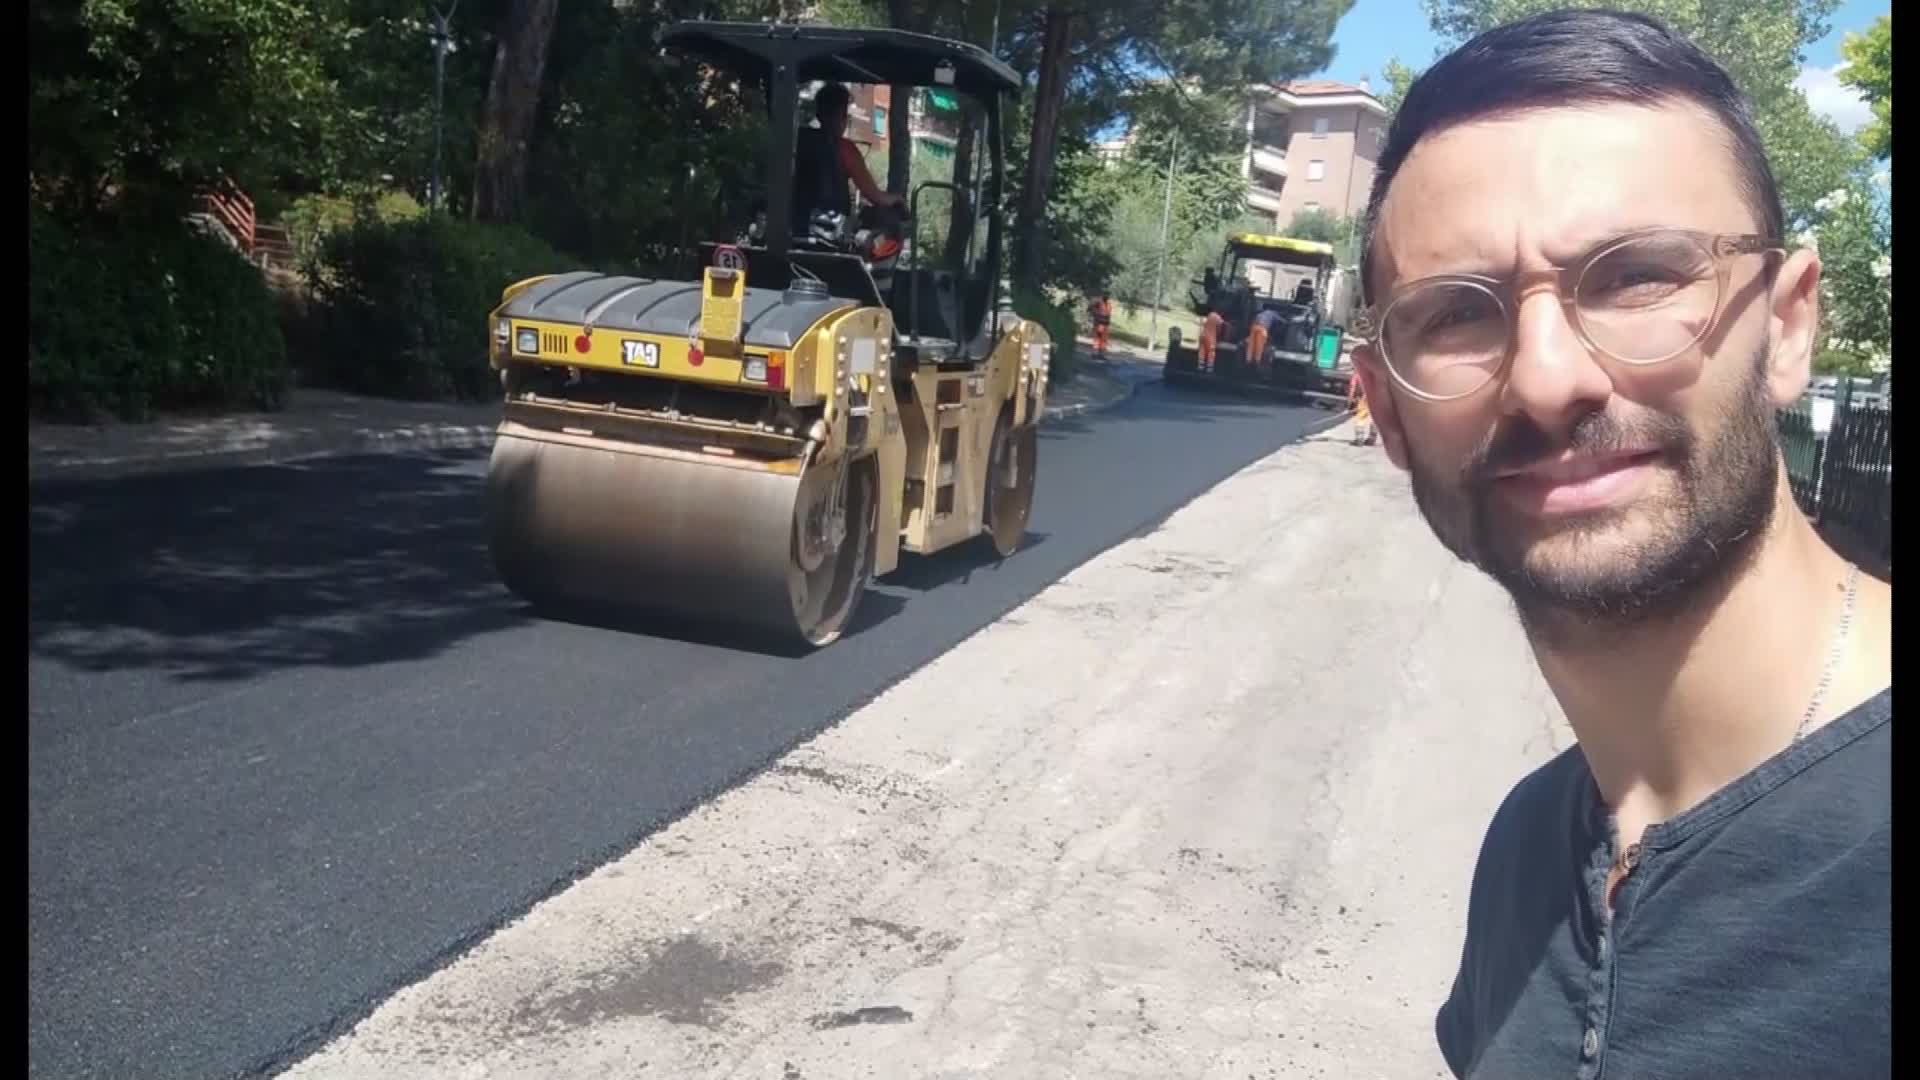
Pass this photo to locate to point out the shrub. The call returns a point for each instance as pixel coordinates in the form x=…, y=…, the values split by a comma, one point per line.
x=312, y=218
x=125, y=318
x=1061, y=325
x=404, y=303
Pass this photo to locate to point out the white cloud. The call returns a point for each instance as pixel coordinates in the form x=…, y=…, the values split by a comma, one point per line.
x=1833, y=99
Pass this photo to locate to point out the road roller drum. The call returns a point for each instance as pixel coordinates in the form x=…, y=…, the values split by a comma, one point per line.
x=594, y=524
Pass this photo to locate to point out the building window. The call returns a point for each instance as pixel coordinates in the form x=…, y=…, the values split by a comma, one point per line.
x=1316, y=170
x=1319, y=127
x=1310, y=206
x=880, y=121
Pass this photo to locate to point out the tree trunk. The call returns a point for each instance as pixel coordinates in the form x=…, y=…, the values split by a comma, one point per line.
x=960, y=224
x=513, y=99
x=965, y=213
x=1049, y=96
x=900, y=125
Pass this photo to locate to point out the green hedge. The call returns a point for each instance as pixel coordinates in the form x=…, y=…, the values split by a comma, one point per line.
x=124, y=319
x=1061, y=326
x=312, y=218
x=403, y=303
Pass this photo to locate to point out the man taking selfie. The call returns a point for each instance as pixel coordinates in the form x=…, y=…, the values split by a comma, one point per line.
x=1584, y=317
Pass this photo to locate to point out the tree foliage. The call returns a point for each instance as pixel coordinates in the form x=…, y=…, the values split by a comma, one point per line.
x=1399, y=79
x=566, y=119
x=1853, y=232
x=1869, y=69
x=1207, y=202
x=1204, y=48
x=1327, y=227
x=1761, y=45
x=142, y=102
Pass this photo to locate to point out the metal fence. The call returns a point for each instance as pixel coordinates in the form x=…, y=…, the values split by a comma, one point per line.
x=1842, y=476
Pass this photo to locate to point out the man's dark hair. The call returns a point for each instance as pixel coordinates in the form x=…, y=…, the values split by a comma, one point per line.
x=830, y=99
x=1570, y=58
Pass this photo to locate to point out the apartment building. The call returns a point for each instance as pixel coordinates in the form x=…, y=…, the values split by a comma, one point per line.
x=1312, y=144
x=872, y=119
x=1309, y=143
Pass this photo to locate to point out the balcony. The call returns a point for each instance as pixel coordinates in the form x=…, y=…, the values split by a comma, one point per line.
x=1262, y=199
x=1270, y=159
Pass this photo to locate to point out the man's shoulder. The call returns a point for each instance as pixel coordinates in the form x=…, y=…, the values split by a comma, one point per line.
x=1531, y=830
x=1541, y=804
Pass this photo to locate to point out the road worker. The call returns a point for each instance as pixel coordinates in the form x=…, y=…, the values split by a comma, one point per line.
x=1209, y=337
x=1102, y=312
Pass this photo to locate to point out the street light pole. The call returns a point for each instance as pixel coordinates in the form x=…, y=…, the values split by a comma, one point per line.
x=1166, y=217
x=442, y=38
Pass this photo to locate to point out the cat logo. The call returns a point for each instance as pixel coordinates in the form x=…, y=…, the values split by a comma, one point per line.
x=640, y=354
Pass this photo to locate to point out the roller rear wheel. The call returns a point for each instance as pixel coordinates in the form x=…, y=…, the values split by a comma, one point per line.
x=1011, y=465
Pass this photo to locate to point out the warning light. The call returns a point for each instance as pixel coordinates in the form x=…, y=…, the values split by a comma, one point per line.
x=582, y=343
x=695, y=356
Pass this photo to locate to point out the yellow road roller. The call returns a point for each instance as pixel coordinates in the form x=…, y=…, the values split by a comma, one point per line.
x=841, y=383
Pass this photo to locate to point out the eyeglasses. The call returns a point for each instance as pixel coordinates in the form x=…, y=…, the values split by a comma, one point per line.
x=1641, y=299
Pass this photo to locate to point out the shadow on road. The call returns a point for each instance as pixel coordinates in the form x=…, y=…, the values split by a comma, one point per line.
x=875, y=608
x=219, y=576
x=924, y=573
x=223, y=575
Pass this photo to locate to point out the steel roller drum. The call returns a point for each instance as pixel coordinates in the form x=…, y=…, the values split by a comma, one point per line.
x=1010, y=481
x=605, y=525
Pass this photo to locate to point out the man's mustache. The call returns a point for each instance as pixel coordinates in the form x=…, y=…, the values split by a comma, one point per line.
x=1518, y=442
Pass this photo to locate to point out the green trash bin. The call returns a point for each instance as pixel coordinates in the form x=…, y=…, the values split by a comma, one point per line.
x=1326, y=351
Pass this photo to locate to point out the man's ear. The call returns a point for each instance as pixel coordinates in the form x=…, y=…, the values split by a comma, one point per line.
x=1793, y=316
x=1378, y=386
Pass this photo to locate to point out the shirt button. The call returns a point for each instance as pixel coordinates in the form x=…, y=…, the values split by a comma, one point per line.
x=1590, y=1045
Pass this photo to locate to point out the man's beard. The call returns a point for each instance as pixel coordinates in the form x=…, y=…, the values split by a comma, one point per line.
x=1688, y=543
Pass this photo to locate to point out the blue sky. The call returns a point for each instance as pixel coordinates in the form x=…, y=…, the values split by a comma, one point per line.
x=1378, y=29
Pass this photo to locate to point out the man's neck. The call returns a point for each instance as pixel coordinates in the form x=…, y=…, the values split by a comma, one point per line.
x=1670, y=713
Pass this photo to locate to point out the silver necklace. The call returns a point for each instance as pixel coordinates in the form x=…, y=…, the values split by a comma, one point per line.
x=1833, y=652
x=1629, y=857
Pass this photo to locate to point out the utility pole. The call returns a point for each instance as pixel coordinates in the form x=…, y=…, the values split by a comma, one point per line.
x=442, y=39
x=1166, y=217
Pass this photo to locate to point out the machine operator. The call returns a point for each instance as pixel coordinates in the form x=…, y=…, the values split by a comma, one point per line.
x=826, y=160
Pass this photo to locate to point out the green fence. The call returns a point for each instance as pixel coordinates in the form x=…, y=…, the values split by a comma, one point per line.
x=1844, y=480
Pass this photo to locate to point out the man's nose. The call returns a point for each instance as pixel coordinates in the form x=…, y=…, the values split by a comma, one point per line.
x=1554, y=379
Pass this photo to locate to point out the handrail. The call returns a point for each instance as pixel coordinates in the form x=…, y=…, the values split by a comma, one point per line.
x=234, y=210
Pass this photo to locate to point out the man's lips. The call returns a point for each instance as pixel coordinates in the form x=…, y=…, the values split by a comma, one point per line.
x=1577, y=483
x=1573, y=468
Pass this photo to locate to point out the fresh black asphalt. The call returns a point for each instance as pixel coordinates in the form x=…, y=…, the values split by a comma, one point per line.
x=291, y=746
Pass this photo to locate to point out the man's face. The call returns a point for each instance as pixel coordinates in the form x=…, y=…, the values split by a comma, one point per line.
x=1587, y=487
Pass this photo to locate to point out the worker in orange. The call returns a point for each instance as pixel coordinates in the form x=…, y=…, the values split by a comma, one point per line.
x=1362, y=416
x=1209, y=337
x=1102, y=312
x=826, y=161
x=1256, y=355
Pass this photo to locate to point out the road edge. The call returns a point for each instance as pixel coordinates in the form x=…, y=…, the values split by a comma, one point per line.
x=420, y=439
